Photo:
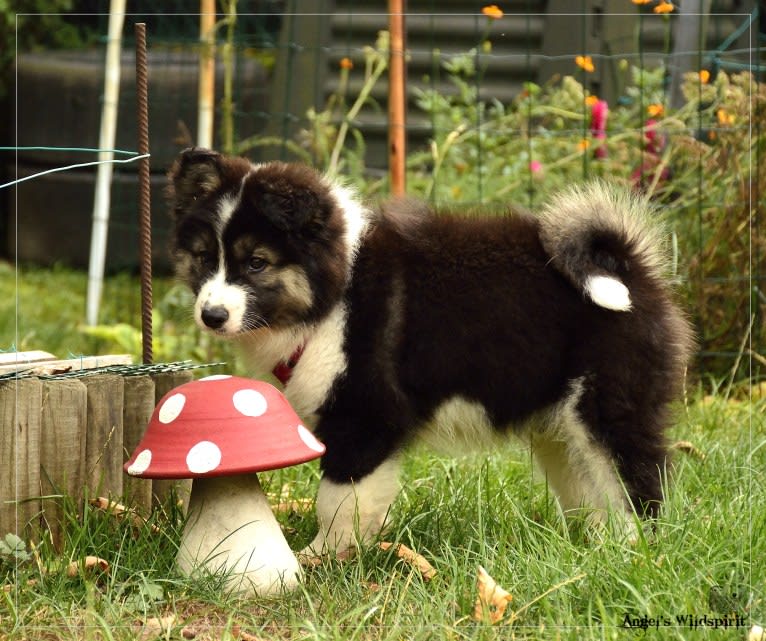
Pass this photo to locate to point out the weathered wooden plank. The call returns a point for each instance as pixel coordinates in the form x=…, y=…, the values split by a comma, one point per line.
x=53, y=367
x=103, y=443
x=18, y=358
x=137, y=410
x=162, y=488
x=62, y=450
x=20, y=405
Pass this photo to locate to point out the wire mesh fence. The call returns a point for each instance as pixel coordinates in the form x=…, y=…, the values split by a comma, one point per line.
x=504, y=105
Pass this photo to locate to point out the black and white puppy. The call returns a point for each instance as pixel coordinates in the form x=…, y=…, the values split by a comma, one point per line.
x=401, y=324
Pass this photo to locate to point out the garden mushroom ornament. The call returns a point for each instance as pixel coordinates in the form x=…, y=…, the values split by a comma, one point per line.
x=220, y=431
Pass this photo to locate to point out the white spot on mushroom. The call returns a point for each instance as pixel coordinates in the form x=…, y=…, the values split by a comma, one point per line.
x=309, y=439
x=203, y=457
x=250, y=403
x=216, y=377
x=141, y=464
x=171, y=408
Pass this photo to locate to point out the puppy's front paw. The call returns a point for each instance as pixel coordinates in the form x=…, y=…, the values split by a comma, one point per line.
x=353, y=513
x=319, y=550
x=329, y=544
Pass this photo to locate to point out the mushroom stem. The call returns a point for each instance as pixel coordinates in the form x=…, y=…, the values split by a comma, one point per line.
x=230, y=526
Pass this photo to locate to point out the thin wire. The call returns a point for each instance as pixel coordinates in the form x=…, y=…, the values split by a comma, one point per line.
x=16, y=426
x=752, y=211
x=530, y=147
x=433, y=81
x=82, y=149
x=292, y=47
x=67, y=167
x=586, y=86
x=479, y=75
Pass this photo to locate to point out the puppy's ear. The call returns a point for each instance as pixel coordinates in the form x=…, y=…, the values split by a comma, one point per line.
x=292, y=197
x=292, y=209
x=195, y=174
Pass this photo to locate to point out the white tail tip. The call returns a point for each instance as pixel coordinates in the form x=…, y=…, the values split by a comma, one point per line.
x=608, y=292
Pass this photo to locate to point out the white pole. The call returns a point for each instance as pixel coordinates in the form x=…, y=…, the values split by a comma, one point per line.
x=206, y=94
x=100, y=226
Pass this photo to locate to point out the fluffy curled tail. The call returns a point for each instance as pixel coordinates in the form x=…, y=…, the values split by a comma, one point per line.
x=601, y=237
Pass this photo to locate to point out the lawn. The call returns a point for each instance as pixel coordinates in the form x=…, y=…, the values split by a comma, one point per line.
x=704, y=559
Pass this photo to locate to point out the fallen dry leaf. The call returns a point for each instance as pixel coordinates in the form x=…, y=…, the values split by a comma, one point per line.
x=413, y=558
x=315, y=560
x=687, y=447
x=309, y=560
x=119, y=510
x=188, y=632
x=371, y=586
x=30, y=583
x=491, y=600
x=88, y=563
x=239, y=633
x=154, y=627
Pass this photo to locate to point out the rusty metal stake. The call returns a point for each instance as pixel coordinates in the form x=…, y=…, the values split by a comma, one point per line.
x=144, y=197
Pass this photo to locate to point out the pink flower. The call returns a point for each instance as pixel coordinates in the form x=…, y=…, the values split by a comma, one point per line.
x=535, y=166
x=598, y=114
x=651, y=158
x=655, y=140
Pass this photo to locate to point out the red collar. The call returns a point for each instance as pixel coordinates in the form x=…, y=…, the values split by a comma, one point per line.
x=283, y=370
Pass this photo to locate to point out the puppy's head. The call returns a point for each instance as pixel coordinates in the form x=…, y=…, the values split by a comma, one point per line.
x=259, y=245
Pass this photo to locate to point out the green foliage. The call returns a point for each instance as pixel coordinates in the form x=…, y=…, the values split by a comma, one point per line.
x=174, y=336
x=324, y=142
x=13, y=549
x=44, y=309
x=485, y=152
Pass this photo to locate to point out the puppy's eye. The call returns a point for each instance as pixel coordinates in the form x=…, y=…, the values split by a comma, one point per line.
x=256, y=264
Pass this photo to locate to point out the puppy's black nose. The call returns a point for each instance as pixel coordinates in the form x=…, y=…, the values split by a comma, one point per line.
x=214, y=317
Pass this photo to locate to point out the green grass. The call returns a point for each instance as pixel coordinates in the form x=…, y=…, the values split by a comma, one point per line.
x=705, y=556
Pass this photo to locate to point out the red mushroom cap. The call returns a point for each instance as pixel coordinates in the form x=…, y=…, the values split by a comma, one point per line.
x=219, y=426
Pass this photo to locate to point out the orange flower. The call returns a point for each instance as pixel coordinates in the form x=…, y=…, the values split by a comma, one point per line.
x=586, y=63
x=641, y=1
x=664, y=7
x=655, y=110
x=724, y=117
x=591, y=100
x=492, y=11
x=346, y=63
x=583, y=144
x=704, y=76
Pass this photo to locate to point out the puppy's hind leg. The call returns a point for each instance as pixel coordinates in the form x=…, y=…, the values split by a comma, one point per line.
x=580, y=471
x=354, y=512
